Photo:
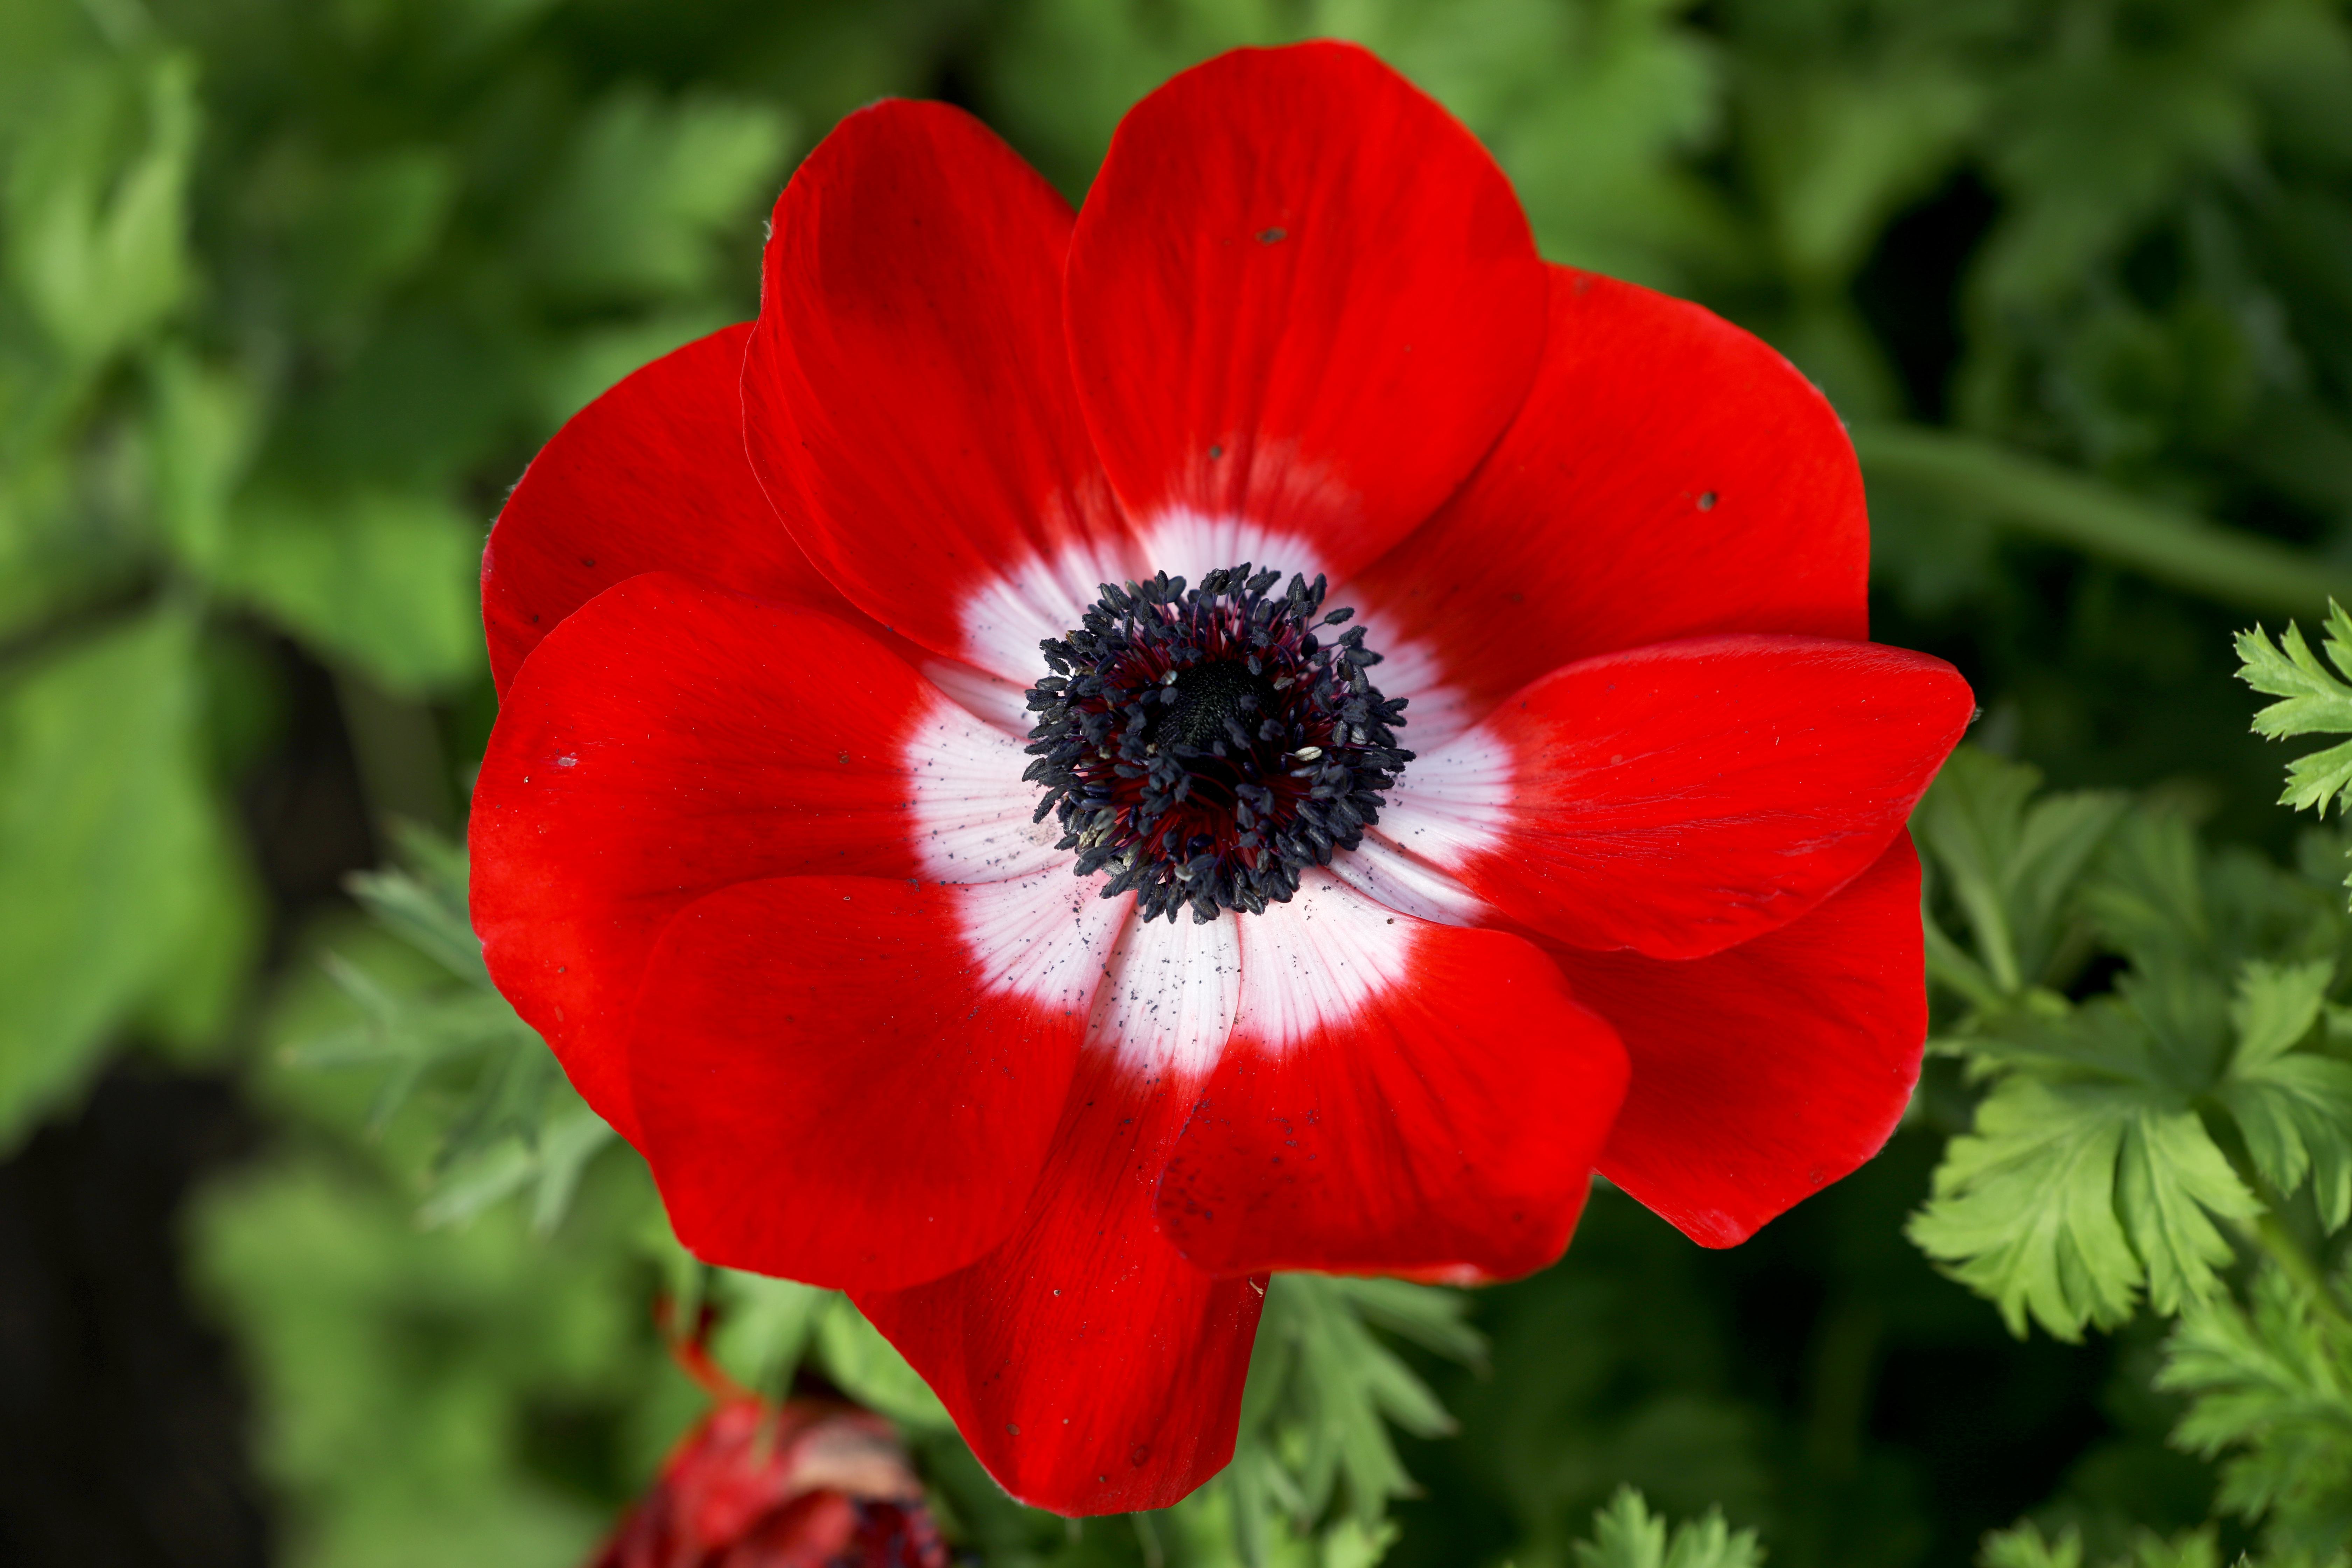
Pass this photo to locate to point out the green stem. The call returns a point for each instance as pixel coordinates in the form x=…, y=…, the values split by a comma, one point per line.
x=2055, y=503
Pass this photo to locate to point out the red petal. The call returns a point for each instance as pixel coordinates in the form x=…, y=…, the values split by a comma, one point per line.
x=1770, y=1070
x=1687, y=797
x=1092, y=1369
x=1669, y=477
x=651, y=477
x=669, y=740
x=907, y=381
x=1399, y=1097
x=1300, y=295
x=835, y=1083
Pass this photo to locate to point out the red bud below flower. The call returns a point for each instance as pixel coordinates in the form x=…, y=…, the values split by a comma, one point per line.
x=812, y=1484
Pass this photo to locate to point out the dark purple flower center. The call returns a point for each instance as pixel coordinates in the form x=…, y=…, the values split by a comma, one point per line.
x=1205, y=746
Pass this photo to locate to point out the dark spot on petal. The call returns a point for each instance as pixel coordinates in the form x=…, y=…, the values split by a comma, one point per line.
x=1271, y=236
x=1707, y=501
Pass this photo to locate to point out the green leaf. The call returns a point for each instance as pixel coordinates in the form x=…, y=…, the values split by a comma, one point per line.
x=509, y=1122
x=551, y=1162
x=2270, y=1384
x=590, y=362
x=2010, y=865
x=2090, y=144
x=869, y=1369
x=362, y=226
x=2292, y=1108
x=2024, y=1547
x=2296, y=1114
x=96, y=231
x=2316, y=700
x=192, y=1005
x=1323, y=1391
x=766, y=1326
x=111, y=859
x=389, y=582
x=203, y=423
x=1626, y=1534
x=2171, y=1180
x=425, y=907
x=410, y=1033
x=1589, y=109
x=2070, y=1197
x=2149, y=899
x=399, y=1373
x=1838, y=148
x=646, y=186
x=2189, y=1549
x=2023, y=1211
x=2276, y=1006
x=1063, y=72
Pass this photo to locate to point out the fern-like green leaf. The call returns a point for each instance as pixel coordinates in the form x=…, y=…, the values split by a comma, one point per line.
x=2293, y=1108
x=2024, y=1211
x=2009, y=862
x=2025, y=1547
x=2270, y=1384
x=2072, y=1197
x=2316, y=699
x=511, y=1124
x=1626, y=1534
x=1314, y=1452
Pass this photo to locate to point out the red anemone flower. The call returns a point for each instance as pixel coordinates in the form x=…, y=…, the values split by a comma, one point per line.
x=933, y=816
x=811, y=1483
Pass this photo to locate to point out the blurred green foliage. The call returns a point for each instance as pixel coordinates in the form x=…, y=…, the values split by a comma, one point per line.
x=290, y=291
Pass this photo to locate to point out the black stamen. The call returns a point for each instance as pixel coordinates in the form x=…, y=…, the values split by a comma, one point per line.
x=1202, y=745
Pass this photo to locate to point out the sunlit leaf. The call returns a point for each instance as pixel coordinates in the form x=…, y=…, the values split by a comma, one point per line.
x=2024, y=1209
x=2317, y=701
